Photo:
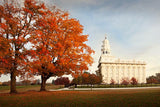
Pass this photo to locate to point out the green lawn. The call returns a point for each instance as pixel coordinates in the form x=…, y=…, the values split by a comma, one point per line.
x=5, y=89
x=8, y=87
x=107, y=98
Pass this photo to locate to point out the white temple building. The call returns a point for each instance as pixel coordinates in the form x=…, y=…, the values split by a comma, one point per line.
x=117, y=69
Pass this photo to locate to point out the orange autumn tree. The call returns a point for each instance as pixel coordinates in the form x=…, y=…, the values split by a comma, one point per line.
x=4, y=47
x=16, y=26
x=59, y=46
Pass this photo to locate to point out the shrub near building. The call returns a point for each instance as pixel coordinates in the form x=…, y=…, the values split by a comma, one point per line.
x=133, y=81
x=125, y=81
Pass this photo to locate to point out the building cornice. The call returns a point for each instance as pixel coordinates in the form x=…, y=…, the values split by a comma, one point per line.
x=125, y=63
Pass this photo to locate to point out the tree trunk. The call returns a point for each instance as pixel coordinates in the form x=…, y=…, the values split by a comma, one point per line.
x=13, y=82
x=13, y=74
x=43, y=83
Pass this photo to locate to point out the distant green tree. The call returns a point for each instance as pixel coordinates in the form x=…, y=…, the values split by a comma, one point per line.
x=152, y=80
x=77, y=80
x=87, y=78
x=158, y=77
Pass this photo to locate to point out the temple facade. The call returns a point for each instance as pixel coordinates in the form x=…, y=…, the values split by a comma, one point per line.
x=112, y=68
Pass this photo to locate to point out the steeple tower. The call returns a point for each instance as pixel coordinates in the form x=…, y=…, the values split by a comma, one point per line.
x=106, y=47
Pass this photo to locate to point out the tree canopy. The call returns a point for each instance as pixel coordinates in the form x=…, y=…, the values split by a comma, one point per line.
x=59, y=46
x=57, y=43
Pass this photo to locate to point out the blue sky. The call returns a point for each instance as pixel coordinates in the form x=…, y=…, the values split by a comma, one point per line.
x=132, y=26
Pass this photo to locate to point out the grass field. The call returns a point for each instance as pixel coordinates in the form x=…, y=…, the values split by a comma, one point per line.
x=107, y=98
x=5, y=89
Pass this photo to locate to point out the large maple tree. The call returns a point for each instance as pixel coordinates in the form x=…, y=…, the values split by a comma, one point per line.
x=16, y=25
x=59, y=46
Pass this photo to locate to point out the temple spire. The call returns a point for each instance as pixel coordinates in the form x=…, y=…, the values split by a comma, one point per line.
x=106, y=36
x=106, y=47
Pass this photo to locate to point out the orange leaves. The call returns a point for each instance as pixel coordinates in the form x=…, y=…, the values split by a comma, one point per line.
x=4, y=46
x=4, y=54
x=28, y=11
x=42, y=51
x=85, y=75
x=3, y=26
x=17, y=30
x=59, y=45
x=53, y=35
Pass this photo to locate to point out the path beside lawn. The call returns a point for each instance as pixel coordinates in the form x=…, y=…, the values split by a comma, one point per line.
x=82, y=89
